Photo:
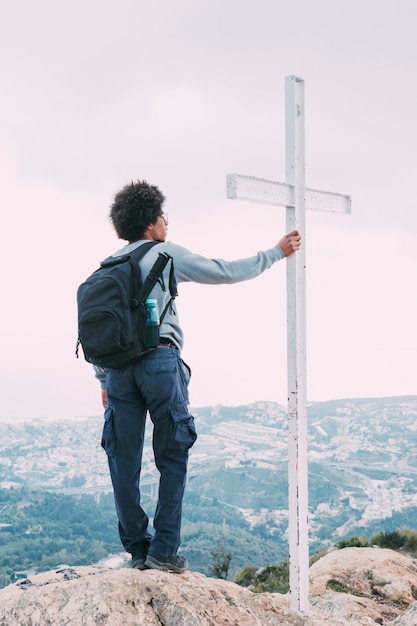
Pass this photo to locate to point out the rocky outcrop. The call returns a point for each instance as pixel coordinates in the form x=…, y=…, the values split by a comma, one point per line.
x=351, y=586
x=89, y=596
x=366, y=586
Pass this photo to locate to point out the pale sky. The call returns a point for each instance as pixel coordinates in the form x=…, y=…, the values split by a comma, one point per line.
x=97, y=93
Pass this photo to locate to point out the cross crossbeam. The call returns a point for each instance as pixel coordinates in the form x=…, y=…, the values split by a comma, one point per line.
x=273, y=193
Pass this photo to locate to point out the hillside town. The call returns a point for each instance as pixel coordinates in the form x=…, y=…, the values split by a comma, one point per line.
x=362, y=459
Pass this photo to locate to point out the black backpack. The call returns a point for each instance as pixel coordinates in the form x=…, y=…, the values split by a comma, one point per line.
x=111, y=308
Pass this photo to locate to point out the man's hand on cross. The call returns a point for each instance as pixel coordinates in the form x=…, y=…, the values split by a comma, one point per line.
x=290, y=243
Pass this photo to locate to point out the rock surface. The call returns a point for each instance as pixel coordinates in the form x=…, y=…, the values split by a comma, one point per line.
x=375, y=586
x=368, y=586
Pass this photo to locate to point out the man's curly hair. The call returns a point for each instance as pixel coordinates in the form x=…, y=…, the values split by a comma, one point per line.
x=135, y=207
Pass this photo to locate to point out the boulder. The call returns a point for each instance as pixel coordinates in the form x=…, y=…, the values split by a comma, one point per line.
x=351, y=586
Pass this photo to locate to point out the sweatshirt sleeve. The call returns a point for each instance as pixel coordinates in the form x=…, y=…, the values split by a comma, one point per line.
x=199, y=269
x=100, y=374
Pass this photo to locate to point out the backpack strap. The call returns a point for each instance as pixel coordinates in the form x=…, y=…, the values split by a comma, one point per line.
x=152, y=278
x=133, y=259
x=172, y=290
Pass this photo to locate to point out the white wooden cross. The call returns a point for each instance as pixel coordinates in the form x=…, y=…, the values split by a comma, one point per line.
x=296, y=198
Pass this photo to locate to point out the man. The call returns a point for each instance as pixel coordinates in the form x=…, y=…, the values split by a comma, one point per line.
x=159, y=382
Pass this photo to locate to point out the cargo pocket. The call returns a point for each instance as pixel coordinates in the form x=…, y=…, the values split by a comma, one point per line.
x=108, y=439
x=185, y=371
x=183, y=433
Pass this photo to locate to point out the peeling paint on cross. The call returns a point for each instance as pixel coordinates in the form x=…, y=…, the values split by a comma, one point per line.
x=296, y=198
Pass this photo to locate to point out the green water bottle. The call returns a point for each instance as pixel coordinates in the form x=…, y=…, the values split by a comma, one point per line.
x=152, y=323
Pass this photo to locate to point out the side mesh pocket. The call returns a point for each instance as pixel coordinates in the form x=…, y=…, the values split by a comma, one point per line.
x=183, y=432
x=108, y=441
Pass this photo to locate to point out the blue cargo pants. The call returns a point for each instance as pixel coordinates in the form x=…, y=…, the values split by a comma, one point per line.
x=158, y=384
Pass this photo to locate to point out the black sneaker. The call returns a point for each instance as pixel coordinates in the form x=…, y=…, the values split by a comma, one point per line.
x=138, y=563
x=175, y=564
x=139, y=552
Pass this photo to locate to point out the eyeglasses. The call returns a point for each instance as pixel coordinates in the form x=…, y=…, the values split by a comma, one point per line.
x=165, y=218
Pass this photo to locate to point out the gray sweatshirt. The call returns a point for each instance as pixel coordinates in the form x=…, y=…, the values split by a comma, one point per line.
x=190, y=267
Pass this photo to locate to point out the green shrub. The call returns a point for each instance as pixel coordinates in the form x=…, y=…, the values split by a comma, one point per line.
x=388, y=539
x=410, y=540
x=353, y=542
x=336, y=585
x=274, y=579
x=246, y=576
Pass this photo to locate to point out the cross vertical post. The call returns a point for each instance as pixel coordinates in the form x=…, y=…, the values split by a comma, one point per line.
x=296, y=346
x=294, y=195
